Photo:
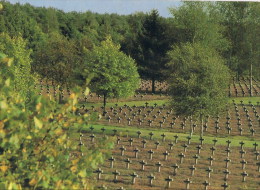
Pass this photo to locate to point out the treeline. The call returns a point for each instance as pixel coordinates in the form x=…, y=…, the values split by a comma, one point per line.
x=59, y=40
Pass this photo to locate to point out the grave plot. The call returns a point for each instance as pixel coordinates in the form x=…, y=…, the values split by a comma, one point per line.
x=160, y=86
x=51, y=89
x=241, y=87
x=239, y=120
x=144, y=162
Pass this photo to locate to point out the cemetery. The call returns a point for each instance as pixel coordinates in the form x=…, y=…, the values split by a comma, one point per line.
x=134, y=101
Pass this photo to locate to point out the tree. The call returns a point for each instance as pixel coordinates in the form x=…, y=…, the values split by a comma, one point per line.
x=198, y=22
x=242, y=23
x=199, y=83
x=55, y=58
x=36, y=141
x=152, y=44
x=115, y=74
x=16, y=48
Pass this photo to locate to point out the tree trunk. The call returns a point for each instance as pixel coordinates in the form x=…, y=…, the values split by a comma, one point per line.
x=104, y=103
x=201, y=132
x=191, y=129
x=153, y=85
x=251, y=81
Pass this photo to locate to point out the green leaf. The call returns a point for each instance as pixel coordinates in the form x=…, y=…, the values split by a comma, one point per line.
x=37, y=122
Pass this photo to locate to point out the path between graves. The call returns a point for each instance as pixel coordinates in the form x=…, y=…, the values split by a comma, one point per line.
x=132, y=131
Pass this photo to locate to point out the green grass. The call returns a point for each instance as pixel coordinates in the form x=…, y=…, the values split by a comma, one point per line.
x=246, y=100
x=131, y=130
x=129, y=103
x=254, y=101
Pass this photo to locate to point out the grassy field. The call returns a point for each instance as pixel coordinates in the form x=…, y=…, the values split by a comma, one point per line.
x=246, y=100
x=132, y=131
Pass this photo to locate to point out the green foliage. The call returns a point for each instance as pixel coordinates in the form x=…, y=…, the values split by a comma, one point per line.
x=115, y=74
x=149, y=45
x=35, y=143
x=16, y=48
x=55, y=58
x=199, y=81
x=198, y=23
x=242, y=23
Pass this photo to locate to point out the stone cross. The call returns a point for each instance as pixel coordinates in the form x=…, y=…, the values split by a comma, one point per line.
x=242, y=153
x=192, y=168
x=133, y=175
x=129, y=121
x=225, y=185
x=151, y=178
x=166, y=154
x=161, y=123
x=122, y=150
x=150, y=123
x=171, y=145
x=168, y=180
x=112, y=159
x=196, y=158
x=172, y=124
x=151, y=135
x=257, y=153
x=206, y=184
x=252, y=130
x=163, y=137
x=143, y=163
x=189, y=138
x=258, y=164
x=130, y=141
x=188, y=182
x=215, y=141
x=119, y=119
x=255, y=146
x=244, y=175
x=92, y=137
x=157, y=143
x=175, y=167
x=151, y=154
x=212, y=150
x=159, y=165
x=201, y=140
x=198, y=148
x=211, y=160
x=138, y=134
x=228, y=151
x=144, y=143
x=136, y=150
x=240, y=130
x=227, y=160
x=185, y=146
x=241, y=144
x=243, y=162
x=228, y=143
x=116, y=174
x=226, y=172
x=209, y=170
x=99, y=172
x=128, y=162
x=118, y=140
x=181, y=155
x=176, y=138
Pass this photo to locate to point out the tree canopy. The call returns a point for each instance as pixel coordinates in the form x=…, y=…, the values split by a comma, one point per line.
x=114, y=73
x=199, y=81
